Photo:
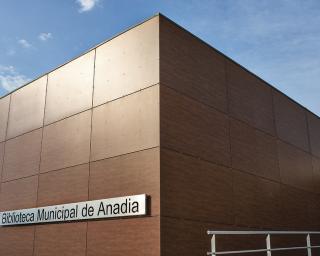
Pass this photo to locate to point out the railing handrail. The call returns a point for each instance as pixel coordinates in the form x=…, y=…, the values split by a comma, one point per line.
x=267, y=234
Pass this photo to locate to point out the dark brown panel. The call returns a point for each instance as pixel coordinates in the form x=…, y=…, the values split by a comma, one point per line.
x=314, y=211
x=66, y=239
x=291, y=121
x=195, y=189
x=254, y=151
x=316, y=174
x=135, y=173
x=19, y=194
x=314, y=133
x=250, y=99
x=294, y=208
x=126, y=125
x=70, y=88
x=193, y=128
x=135, y=237
x=64, y=186
x=295, y=167
x=27, y=108
x=127, y=63
x=4, y=110
x=257, y=201
x=22, y=156
x=17, y=241
x=191, y=67
x=66, y=143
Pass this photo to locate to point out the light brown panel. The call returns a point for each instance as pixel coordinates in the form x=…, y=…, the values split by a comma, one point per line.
x=191, y=66
x=316, y=174
x=66, y=239
x=130, y=174
x=295, y=167
x=135, y=237
x=17, y=241
x=127, y=63
x=27, y=108
x=193, y=128
x=22, y=157
x=70, y=88
x=254, y=151
x=294, y=208
x=19, y=194
x=314, y=133
x=291, y=123
x=250, y=100
x=126, y=125
x=64, y=186
x=4, y=111
x=256, y=201
x=195, y=189
x=66, y=143
x=1, y=156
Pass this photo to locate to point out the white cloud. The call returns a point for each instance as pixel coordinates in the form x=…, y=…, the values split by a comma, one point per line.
x=24, y=43
x=45, y=36
x=10, y=79
x=86, y=5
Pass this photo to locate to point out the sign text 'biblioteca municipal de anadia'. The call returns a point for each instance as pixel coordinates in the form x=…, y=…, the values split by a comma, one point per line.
x=105, y=208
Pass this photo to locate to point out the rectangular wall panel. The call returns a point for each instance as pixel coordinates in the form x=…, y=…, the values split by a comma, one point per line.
x=22, y=157
x=126, y=125
x=314, y=130
x=68, y=185
x=4, y=112
x=127, y=63
x=70, y=88
x=66, y=143
x=27, y=108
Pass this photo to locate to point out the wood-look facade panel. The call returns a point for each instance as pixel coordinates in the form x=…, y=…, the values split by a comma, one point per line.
x=314, y=130
x=69, y=89
x=127, y=63
x=64, y=186
x=22, y=157
x=27, y=108
x=130, y=174
x=4, y=113
x=66, y=143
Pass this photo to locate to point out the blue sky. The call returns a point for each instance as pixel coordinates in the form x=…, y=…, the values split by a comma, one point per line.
x=279, y=40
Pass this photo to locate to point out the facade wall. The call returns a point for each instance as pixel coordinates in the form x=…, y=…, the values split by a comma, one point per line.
x=87, y=130
x=235, y=152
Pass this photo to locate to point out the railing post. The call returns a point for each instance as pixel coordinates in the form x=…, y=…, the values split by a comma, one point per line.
x=268, y=242
x=213, y=245
x=309, y=245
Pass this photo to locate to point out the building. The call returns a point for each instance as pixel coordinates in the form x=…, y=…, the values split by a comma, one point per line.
x=155, y=111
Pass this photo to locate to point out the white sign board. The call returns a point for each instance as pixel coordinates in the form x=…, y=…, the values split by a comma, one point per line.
x=105, y=208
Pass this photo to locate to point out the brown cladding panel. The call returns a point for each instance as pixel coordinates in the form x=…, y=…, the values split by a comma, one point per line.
x=316, y=174
x=66, y=143
x=27, y=108
x=126, y=125
x=193, y=128
x=195, y=189
x=314, y=133
x=295, y=167
x=130, y=174
x=22, y=157
x=250, y=100
x=253, y=151
x=19, y=194
x=1, y=157
x=67, y=239
x=64, y=186
x=70, y=88
x=127, y=63
x=17, y=241
x=135, y=237
x=4, y=111
x=291, y=123
x=191, y=67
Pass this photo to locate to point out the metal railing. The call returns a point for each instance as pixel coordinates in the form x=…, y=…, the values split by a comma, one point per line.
x=268, y=249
